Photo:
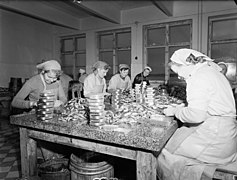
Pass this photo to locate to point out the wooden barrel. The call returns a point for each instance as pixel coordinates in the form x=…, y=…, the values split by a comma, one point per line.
x=55, y=169
x=89, y=166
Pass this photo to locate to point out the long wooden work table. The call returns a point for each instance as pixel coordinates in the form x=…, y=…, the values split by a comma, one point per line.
x=139, y=145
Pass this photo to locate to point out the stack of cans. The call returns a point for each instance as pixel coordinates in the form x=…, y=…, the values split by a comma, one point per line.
x=132, y=93
x=97, y=109
x=115, y=99
x=143, y=87
x=149, y=99
x=138, y=93
x=45, y=106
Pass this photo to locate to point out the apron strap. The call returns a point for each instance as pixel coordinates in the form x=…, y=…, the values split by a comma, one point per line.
x=41, y=76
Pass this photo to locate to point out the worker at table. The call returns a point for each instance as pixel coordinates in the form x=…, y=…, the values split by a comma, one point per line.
x=208, y=136
x=143, y=76
x=47, y=80
x=95, y=82
x=27, y=97
x=120, y=80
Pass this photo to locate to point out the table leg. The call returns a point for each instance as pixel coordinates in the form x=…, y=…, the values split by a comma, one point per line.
x=146, y=166
x=24, y=156
x=32, y=154
x=28, y=154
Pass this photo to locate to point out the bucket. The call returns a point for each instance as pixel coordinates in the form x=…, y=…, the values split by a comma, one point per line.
x=55, y=169
x=15, y=85
x=90, y=166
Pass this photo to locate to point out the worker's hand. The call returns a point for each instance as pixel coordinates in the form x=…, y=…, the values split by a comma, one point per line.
x=33, y=104
x=181, y=105
x=106, y=94
x=58, y=103
x=170, y=111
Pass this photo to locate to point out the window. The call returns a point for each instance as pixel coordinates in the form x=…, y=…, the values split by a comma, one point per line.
x=73, y=54
x=222, y=42
x=115, y=48
x=161, y=40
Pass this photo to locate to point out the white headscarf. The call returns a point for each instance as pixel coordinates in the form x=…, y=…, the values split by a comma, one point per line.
x=48, y=65
x=180, y=56
x=189, y=66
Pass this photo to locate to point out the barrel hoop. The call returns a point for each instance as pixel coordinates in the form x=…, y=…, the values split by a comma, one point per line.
x=77, y=160
x=81, y=166
x=89, y=173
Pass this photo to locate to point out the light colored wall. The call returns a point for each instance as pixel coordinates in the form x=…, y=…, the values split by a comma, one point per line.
x=24, y=42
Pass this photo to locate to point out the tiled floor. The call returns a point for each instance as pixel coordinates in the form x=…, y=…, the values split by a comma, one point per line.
x=10, y=165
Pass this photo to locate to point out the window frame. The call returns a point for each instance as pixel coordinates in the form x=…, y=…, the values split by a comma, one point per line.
x=74, y=51
x=167, y=44
x=211, y=42
x=115, y=48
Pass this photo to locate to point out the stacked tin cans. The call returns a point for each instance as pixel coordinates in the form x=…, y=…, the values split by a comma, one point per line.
x=132, y=93
x=149, y=99
x=115, y=99
x=138, y=93
x=45, y=106
x=97, y=109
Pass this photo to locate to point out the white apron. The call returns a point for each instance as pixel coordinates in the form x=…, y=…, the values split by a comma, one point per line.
x=193, y=149
x=98, y=88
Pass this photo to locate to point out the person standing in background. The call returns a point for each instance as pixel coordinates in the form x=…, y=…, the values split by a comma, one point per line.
x=143, y=76
x=82, y=77
x=121, y=80
x=65, y=80
x=223, y=67
x=95, y=82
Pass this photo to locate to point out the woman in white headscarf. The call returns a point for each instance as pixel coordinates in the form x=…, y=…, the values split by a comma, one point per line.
x=95, y=82
x=47, y=80
x=120, y=80
x=210, y=135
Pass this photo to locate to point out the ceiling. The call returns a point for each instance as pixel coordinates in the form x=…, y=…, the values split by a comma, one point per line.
x=109, y=10
x=98, y=8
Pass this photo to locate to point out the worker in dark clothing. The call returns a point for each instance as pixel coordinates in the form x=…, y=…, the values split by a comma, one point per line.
x=142, y=77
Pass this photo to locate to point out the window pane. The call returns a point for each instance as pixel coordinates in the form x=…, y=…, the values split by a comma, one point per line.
x=80, y=60
x=67, y=60
x=108, y=57
x=156, y=36
x=67, y=45
x=156, y=59
x=81, y=43
x=124, y=57
x=226, y=29
x=106, y=41
x=124, y=39
x=224, y=50
x=180, y=33
x=68, y=71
